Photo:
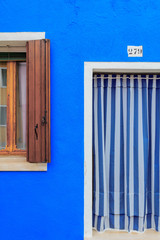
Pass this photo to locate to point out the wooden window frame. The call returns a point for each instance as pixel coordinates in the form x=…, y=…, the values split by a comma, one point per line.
x=18, y=162
x=11, y=147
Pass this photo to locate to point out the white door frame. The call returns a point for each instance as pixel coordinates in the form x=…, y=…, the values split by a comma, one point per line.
x=89, y=69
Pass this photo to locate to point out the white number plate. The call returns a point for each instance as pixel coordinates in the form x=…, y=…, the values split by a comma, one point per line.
x=135, y=51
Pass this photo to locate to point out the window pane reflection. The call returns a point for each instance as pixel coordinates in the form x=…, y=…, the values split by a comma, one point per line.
x=21, y=106
x=3, y=107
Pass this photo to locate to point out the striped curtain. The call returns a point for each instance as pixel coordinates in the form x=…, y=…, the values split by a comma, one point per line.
x=126, y=152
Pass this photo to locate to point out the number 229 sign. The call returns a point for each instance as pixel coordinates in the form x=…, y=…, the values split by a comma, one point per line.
x=135, y=51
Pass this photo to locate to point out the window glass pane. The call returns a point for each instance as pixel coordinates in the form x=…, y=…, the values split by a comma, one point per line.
x=12, y=56
x=4, y=77
x=21, y=106
x=3, y=115
x=3, y=108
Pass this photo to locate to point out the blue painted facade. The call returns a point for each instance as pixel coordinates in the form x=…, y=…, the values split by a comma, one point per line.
x=38, y=206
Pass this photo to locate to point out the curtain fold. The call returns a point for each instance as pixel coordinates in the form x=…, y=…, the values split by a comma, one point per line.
x=126, y=152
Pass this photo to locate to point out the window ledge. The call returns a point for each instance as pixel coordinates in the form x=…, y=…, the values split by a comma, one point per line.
x=19, y=163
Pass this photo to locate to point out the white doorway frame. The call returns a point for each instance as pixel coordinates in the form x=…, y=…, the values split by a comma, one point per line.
x=89, y=69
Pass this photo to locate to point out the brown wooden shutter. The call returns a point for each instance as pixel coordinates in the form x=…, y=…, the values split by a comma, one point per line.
x=38, y=101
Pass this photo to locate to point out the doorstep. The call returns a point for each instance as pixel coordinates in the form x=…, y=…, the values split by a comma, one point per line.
x=116, y=235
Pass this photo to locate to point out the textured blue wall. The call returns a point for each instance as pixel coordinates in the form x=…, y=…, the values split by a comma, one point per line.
x=38, y=206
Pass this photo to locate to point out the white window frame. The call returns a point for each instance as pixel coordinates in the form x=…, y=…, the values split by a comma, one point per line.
x=17, y=42
x=89, y=69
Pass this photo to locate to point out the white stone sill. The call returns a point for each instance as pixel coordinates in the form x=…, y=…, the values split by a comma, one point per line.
x=19, y=163
x=115, y=235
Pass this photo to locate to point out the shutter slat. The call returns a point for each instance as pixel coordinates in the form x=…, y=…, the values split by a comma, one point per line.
x=38, y=102
x=48, y=100
x=43, y=95
x=31, y=100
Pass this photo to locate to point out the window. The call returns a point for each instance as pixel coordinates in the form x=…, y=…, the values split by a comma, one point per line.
x=25, y=103
x=13, y=108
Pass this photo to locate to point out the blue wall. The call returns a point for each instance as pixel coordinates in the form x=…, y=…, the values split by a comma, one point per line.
x=38, y=206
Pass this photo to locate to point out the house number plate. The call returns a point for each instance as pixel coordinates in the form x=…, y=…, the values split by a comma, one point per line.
x=135, y=51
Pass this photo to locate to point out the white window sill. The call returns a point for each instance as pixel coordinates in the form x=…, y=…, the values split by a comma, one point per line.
x=115, y=235
x=19, y=163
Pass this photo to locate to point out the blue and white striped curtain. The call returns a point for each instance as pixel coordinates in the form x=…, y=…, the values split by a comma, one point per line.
x=126, y=152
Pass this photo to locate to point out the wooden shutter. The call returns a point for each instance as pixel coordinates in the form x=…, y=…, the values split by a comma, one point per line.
x=38, y=101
